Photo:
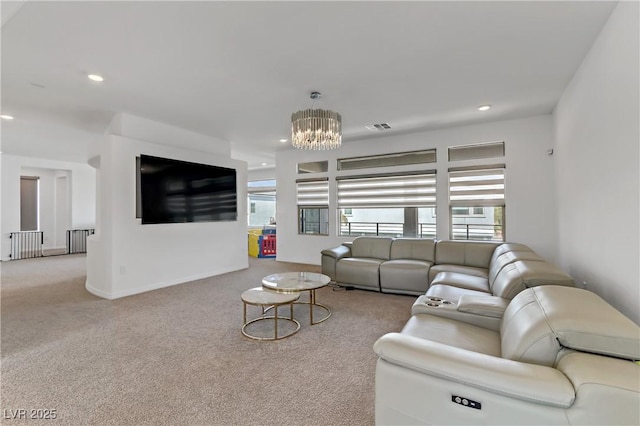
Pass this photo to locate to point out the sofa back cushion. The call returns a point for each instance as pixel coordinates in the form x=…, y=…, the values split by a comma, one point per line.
x=535, y=273
x=507, y=247
x=468, y=253
x=507, y=258
x=522, y=274
x=372, y=247
x=413, y=248
x=540, y=322
x=583, y=321
x=507, y=283
x=524, y=333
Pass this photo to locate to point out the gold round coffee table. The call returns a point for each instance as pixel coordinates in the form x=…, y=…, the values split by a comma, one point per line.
x=297, y=282
x=264, y=298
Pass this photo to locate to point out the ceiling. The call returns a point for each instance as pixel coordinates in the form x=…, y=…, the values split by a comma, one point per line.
x=237, y=70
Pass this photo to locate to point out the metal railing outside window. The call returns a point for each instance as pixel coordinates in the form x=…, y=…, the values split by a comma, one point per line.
x=477, y=231
x=381, y=229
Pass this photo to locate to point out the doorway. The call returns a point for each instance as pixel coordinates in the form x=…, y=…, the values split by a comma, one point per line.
x=29, y=205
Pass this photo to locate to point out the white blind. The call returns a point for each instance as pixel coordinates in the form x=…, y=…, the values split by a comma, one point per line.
x=313, y=192
x=409, y=190
x=476, y=187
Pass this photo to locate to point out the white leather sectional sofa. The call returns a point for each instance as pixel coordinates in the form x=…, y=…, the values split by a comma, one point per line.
x=497, y=336
x=558, y=356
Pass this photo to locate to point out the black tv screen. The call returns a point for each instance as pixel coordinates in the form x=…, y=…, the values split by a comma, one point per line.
x=173, y=191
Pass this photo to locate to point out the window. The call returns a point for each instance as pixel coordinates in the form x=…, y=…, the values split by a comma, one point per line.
x=387, y=160
x=29, y=203
x=262, y=202
x=476, y=151
x=313, y=206
x=313, y=220
x=476, y=200
x=390, y=221
x=313, y=167
x=390, y=205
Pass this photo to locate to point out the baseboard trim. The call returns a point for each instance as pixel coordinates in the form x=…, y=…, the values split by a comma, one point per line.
x=97, y=292
x=159, y=285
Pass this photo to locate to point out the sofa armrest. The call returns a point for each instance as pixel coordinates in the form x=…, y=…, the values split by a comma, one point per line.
x=329, y=259
x=338, y=252
x=488, y=306
x=448, y=308
x=611, y=384
x=513, y=379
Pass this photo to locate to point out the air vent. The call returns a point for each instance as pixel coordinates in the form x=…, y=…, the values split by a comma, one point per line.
x=378, y=127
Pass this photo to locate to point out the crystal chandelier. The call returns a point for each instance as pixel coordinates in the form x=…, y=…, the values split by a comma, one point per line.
x=316, y=129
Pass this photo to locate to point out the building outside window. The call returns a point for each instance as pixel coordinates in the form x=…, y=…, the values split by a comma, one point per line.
x=467, y=211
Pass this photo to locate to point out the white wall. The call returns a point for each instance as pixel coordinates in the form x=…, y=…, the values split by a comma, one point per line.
x=144, y=129
x=530, y=203
x=125, y=257
x=597, y=163
x=82, y=190
x=262, y=174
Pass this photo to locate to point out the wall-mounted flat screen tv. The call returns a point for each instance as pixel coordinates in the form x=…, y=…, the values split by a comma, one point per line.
x=173, y=191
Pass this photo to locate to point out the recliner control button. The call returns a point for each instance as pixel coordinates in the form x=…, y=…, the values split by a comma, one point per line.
x=466, y=402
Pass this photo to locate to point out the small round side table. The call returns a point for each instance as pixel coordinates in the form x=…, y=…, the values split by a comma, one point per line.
x=264, y=298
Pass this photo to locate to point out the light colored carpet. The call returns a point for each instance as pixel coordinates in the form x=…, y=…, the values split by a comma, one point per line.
x=176, y=355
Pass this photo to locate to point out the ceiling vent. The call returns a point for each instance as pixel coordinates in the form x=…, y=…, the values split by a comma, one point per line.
x=378, y=127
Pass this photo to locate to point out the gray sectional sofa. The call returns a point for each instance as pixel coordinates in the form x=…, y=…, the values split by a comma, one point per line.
x=439, y=269
x=468, y=281
x=401, y=265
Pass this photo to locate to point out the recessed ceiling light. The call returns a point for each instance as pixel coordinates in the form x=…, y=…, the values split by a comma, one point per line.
x=6, y=117
x=95, y=77
x=484, y=107
x=264, y=164
x=283, y=140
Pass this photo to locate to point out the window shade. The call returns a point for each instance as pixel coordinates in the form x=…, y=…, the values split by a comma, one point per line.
x=475, y=187
x=407, y=190
x=313, y=192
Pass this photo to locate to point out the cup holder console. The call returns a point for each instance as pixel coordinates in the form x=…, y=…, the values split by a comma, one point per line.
x=436, y=302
